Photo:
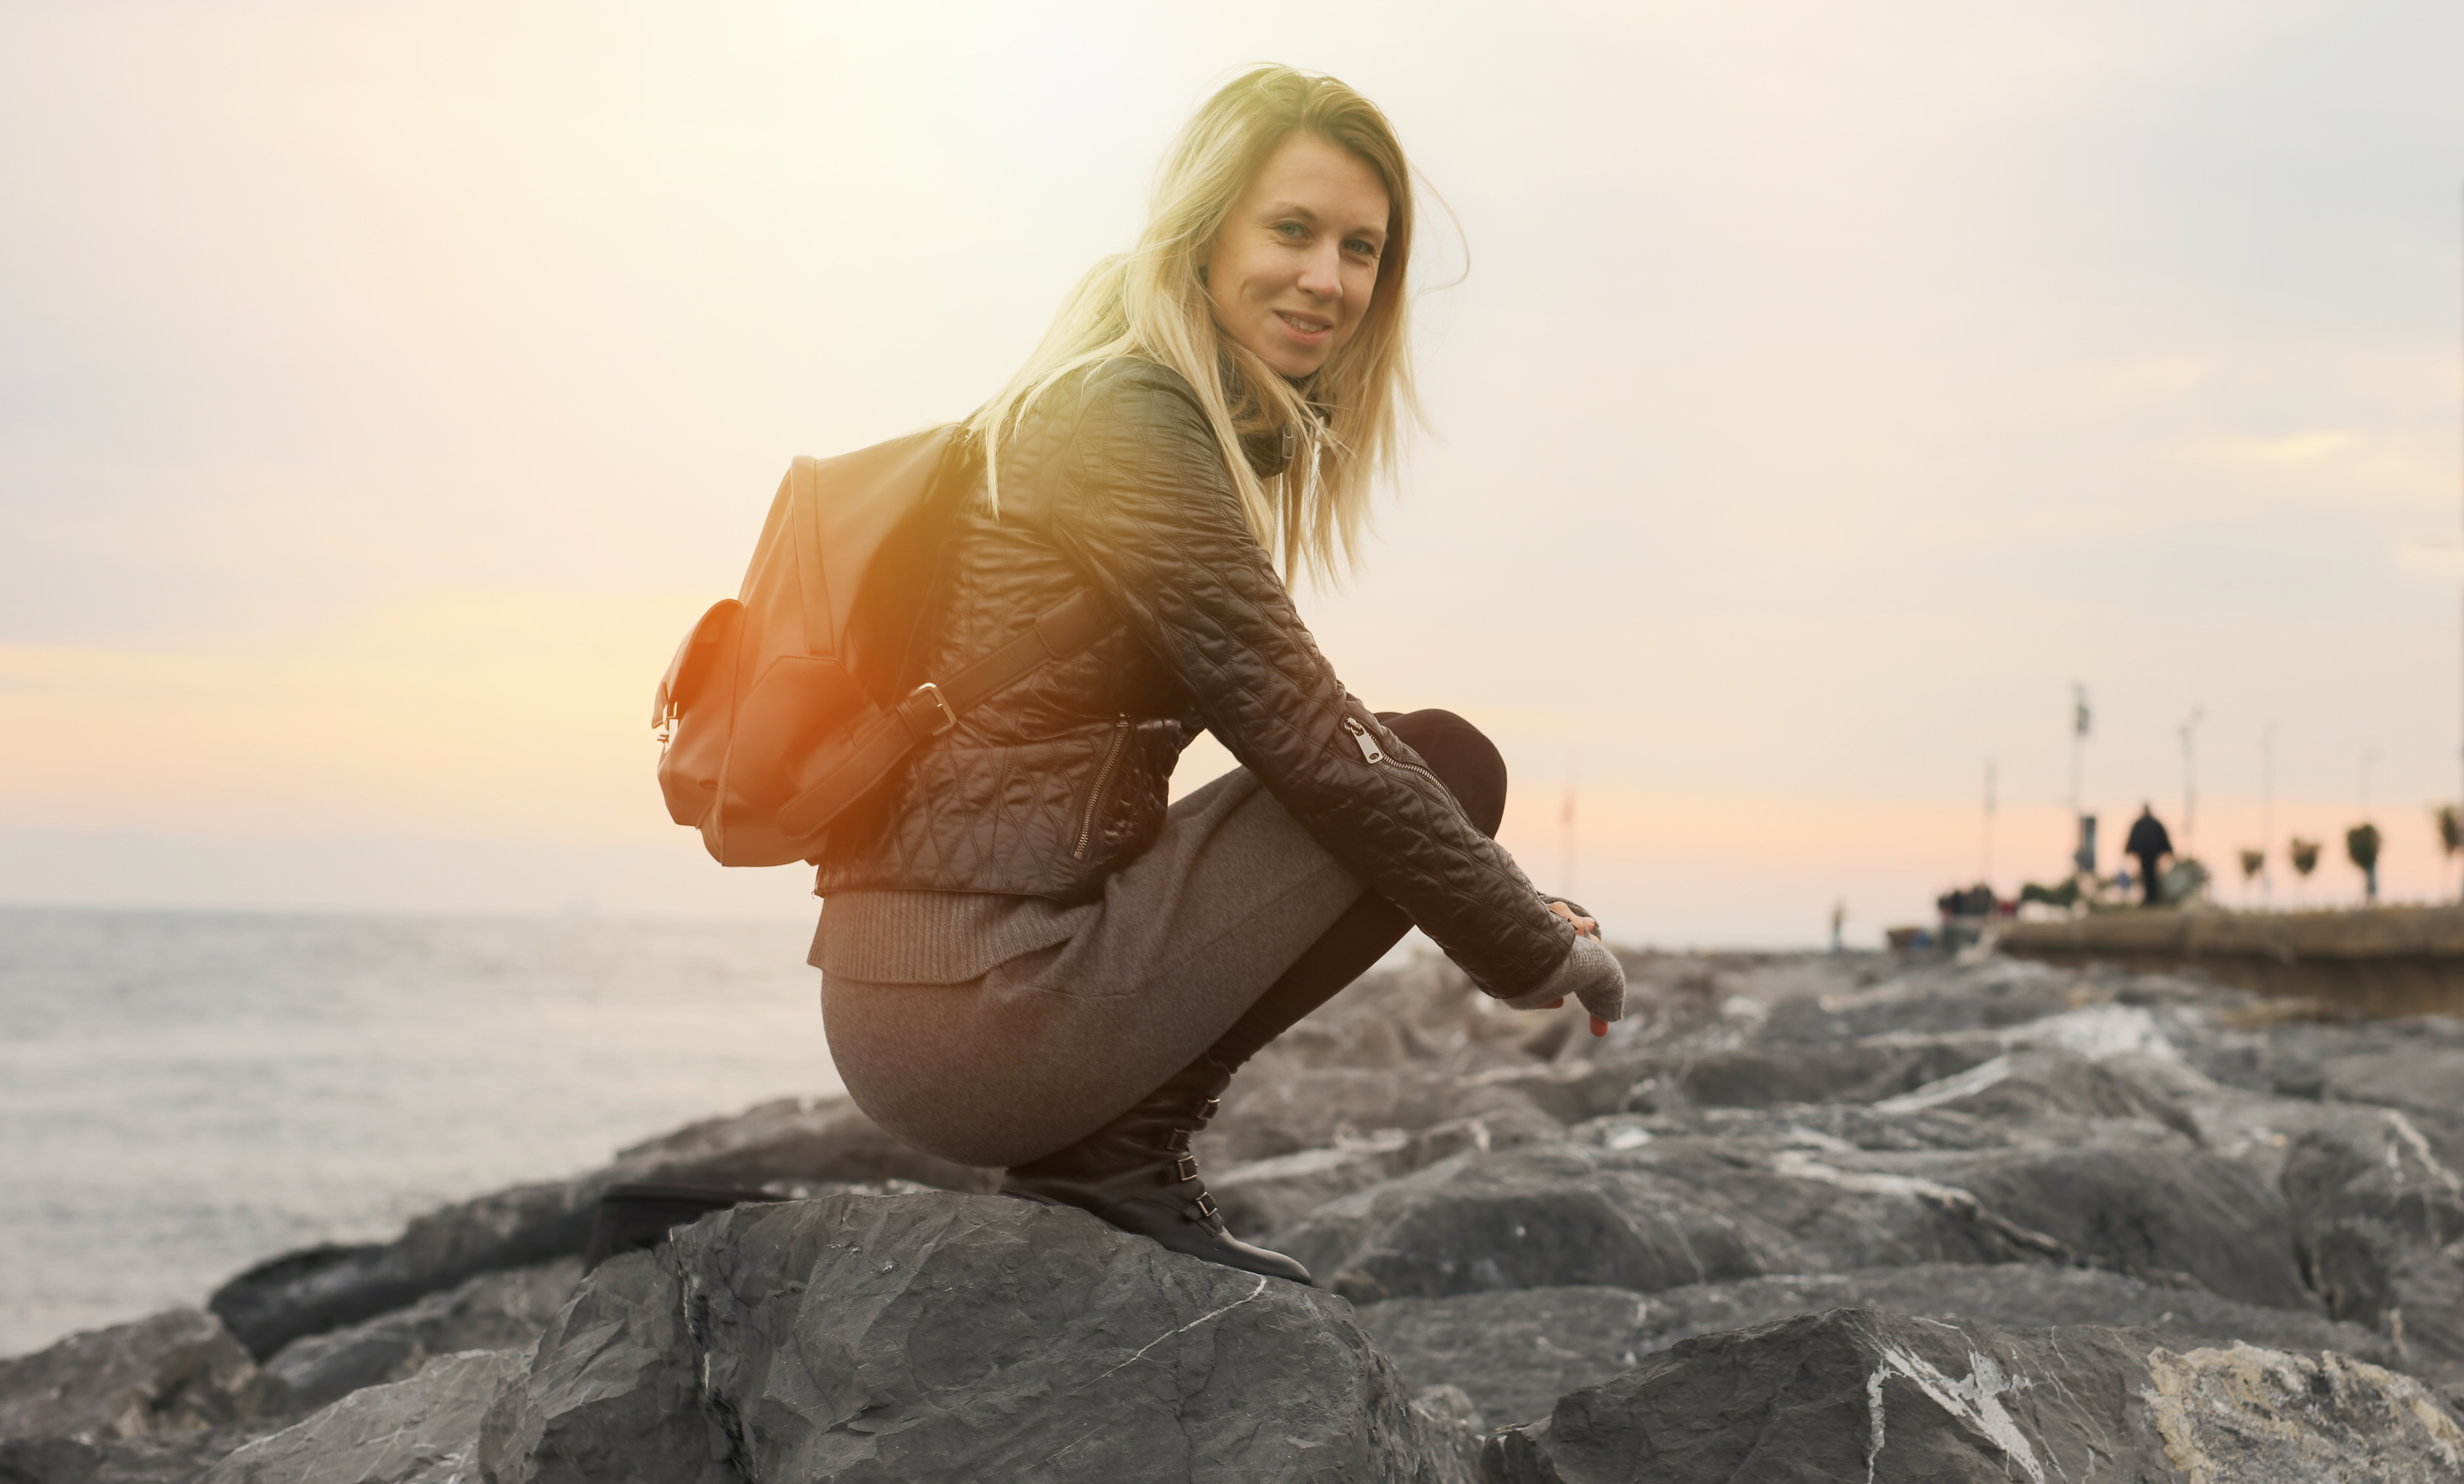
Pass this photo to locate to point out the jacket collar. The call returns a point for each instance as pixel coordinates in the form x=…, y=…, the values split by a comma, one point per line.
x=1271, y=451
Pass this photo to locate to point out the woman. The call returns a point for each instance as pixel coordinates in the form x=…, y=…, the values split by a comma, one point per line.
x=1028, y=960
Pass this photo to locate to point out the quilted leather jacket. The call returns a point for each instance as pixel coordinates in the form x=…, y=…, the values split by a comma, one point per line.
x=1114, y=482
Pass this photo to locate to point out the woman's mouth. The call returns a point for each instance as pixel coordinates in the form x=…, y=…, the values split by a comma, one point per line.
x=1307, y=329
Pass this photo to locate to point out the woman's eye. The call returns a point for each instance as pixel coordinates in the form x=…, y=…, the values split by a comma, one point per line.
x=1292, y=232
x=1363, y=247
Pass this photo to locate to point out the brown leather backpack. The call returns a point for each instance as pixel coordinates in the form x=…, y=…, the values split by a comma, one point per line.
x=769, y=736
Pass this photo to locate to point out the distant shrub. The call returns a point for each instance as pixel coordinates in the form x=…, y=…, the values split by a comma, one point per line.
x=2362, y=848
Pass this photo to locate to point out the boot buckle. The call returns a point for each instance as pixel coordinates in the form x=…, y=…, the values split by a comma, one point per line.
x=1205, y=1206
x=1184, y=1167
x=1214, y=1106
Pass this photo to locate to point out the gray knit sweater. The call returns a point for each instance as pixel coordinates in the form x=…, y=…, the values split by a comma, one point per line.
x=936, y=937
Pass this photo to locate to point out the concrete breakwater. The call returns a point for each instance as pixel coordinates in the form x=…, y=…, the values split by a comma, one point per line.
x=2377, y=961
x=1800, y=1217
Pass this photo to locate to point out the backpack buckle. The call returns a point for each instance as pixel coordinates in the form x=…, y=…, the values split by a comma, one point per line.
x=932, y=692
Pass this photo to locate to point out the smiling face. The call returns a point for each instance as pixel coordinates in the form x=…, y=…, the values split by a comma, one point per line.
x=1294, y=267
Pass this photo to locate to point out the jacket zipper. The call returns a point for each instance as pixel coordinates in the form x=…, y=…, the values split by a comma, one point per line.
x=1369, y=748
x=1103, y=780
x=1377, y=755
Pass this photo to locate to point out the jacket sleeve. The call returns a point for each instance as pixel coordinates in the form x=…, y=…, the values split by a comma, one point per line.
x=1141, y=503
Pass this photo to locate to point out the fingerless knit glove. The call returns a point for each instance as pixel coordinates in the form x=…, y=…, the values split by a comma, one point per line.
x=1590, y=974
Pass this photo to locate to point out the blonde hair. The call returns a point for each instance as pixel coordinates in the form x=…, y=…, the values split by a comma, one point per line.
x=1150, y=303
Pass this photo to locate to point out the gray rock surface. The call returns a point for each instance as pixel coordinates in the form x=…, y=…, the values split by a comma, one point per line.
x=1267, y=1113
x=176, y=1371
x=1861, y=1394
x=1927, y=999
x=495, y=1311
x=1690, y=1210
x=1760, y=1075
x=1264, y=1194
x=952, y=1336
x=2417, y=1077
x=1515, y=1352
x=792, y=1142
x=2292, y=1059
x=1527, y=1214
x=49, y=1460
x=1674, y=1211
x=421, y=1431
x=2378, y=1209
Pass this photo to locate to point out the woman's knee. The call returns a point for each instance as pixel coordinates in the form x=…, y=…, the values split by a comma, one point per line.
x=1462, y=757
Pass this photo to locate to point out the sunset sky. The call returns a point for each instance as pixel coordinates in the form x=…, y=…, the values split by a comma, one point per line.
x=385, y=389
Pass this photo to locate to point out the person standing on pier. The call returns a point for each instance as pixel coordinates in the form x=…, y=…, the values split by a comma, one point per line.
x=2150, y=844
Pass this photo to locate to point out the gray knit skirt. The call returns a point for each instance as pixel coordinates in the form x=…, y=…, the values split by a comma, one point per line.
x=991, y=1029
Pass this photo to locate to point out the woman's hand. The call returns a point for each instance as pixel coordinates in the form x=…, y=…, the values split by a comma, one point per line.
x=1595, y=997
x=1589, y=928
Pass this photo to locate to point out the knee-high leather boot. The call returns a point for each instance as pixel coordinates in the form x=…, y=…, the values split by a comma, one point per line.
x=1137, y=1173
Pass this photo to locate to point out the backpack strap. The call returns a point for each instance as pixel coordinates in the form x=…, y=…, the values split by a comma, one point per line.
x=934, y=707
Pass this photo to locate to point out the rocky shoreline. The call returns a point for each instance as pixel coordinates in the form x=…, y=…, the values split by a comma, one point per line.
x=1800, y=1217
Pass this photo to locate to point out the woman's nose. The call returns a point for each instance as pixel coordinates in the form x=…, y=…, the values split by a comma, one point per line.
x=1322, y=273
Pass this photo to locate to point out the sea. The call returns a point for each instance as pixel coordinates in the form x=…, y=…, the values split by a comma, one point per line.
x=185, y=1093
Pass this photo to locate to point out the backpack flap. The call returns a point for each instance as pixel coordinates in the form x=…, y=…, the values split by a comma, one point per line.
x=796, y=711
x=691, y=709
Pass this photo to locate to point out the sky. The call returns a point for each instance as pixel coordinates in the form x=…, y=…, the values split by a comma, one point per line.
x=1815, y=394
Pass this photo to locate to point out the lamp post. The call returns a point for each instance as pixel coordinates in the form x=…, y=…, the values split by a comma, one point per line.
x=2084, y=856
x=1985, y=861
x=2267, y=814
x=2190, y=783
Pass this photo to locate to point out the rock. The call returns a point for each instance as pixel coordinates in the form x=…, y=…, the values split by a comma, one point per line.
x=1671, y=1211
x=2378, y=1217
x=794, y=1142
x=1516, y=1352
x=1449, y=1416
x=176, y=1371
x=1827, y=1124
x=1264, y=1194
x=1266, y=1114
x=1569, y=1089
x=323, y=1288
x=2034, y=1084
x=611, y=1393
x=2253, y=1128
x=951, y=1337
x=52, y=1461
x=2009, y=1294
x=2415, y=1077
x=421, y=1431
x=1423, y=1014
x=2294, y=1059
x=495, y=1311
x=1760, y=1076
x=2041, y=1061
x=2152, y=1212
x=2248, y=1414
x=1685, y=1210
x=1931, y=1000
x=156, y=1458
x=1513, y=1353
x=1861, y=1394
